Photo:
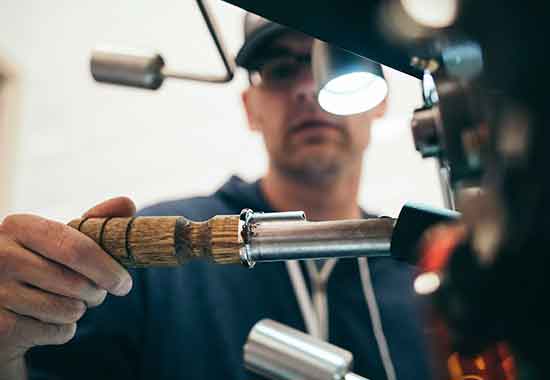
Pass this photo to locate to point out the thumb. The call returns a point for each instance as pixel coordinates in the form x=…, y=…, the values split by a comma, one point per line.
x=120, y=206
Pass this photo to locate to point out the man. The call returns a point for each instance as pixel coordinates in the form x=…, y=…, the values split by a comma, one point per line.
x=192, y=321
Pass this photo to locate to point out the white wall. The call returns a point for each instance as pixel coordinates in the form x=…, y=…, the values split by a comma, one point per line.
x=9, y=112
x=81, y=142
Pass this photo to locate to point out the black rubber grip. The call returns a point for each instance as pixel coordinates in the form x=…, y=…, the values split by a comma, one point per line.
x=413, y=221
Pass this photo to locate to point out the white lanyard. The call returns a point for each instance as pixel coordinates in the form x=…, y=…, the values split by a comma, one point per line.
x=314, y=309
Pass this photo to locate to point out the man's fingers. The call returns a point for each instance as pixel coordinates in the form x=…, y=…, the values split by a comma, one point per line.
x=26, y=332
x=38, y=304
x=120, y=206
x=25, y=266
x=69, y=247
x=49, y=274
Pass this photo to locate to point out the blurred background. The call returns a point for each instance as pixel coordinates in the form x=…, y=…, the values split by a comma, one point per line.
x=67, y=142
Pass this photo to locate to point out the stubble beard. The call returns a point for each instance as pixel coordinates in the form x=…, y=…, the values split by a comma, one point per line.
x=315, y=169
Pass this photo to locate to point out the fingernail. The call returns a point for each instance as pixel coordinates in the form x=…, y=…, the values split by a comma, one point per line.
x=99, y=300
x=124, y=287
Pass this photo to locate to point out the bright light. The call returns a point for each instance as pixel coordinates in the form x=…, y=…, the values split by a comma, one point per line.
x=432, y=13
x=353, y=93
x=427, y=283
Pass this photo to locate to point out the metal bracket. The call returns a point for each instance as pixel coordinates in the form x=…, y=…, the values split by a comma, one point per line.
x=147, y=70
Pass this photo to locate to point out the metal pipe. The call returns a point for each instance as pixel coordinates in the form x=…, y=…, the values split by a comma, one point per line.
x=128, y=67
x=279, y=352
x=300, y=240
x=226, y=58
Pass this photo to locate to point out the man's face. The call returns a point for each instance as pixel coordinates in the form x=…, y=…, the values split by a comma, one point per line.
x=302, y=141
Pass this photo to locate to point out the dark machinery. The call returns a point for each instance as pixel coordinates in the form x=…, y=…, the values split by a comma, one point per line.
x=485, y=82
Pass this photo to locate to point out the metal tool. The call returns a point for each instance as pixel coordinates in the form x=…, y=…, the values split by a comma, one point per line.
x=147, y=70
x=288, y=236
x=279, y=352
x=247, y=238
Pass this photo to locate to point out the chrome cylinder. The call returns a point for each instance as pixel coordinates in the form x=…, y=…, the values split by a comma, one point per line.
x=128, y=68
x=279, y=352
x=299, y=240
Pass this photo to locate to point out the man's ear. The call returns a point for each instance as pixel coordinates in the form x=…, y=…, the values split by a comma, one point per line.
x=247, y=97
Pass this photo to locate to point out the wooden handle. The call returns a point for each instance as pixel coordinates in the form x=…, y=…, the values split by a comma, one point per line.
x=164, y=241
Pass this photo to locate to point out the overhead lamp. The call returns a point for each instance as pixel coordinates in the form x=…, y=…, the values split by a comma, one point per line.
x=432, y=13
x=346, y=83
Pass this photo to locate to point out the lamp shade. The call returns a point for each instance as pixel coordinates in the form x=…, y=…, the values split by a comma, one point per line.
x=346, y=83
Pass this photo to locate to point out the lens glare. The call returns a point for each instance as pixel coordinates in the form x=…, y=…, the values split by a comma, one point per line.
x=353, y=93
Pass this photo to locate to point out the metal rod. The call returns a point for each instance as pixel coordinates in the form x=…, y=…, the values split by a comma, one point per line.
x=286, y=216
x=300, y=240
x=228, y=62
x=147, y=70
x=170, y=73
x=446, y=188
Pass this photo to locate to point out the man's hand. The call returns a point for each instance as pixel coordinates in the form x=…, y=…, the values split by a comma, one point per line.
x=49, y=275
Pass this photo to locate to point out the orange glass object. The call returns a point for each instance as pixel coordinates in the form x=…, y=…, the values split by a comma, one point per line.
x=496, y=362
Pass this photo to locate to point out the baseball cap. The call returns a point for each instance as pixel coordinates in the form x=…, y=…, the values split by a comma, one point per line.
x=258, y=32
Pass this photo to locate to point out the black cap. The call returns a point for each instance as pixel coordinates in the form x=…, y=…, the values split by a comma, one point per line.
x=258, y=32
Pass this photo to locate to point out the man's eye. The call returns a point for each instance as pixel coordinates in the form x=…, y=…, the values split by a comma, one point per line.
x=282, y=71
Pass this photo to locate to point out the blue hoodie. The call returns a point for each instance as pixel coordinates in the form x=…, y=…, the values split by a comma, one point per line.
x=191, y=322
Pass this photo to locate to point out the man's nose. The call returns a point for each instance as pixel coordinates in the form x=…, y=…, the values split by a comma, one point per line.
x=304, y=90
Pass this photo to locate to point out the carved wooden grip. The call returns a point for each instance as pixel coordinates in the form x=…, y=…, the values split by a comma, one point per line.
x=163, y=241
